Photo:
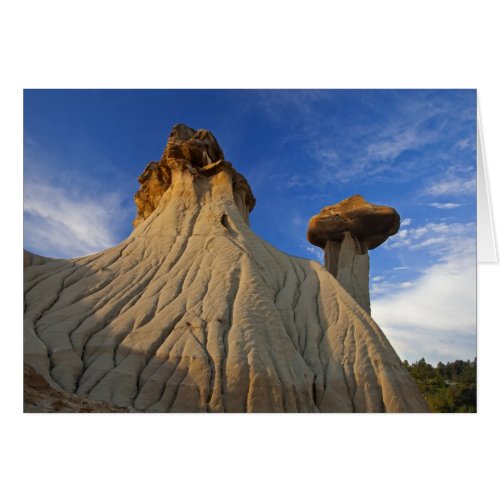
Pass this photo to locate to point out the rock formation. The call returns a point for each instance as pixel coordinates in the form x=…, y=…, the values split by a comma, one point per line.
x=195, y=313
x=196, y=151
x=40, y=397
x=346, y=231
x=32, y=259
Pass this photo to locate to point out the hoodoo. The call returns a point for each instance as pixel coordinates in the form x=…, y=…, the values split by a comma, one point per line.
x=195, y=313
x=346, y=231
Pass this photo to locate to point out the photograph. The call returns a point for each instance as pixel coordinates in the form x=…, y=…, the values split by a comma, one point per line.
x=249, y=250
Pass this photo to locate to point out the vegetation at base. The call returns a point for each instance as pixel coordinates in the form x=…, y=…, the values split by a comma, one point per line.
x=447, y=388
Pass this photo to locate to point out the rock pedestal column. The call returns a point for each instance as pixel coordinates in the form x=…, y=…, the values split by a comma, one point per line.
x=346, y=231
x=347, y=261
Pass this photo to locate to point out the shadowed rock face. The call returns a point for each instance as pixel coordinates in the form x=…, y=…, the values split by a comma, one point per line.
x=193, y=312
x=32, y=259
x=40, y=397
x=346, y=231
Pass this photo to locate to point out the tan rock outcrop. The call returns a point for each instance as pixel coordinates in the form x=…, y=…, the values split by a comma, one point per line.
x=195, y=313
x=32, y=259
x=40, y=397
x=196, y=151
x=346, y=231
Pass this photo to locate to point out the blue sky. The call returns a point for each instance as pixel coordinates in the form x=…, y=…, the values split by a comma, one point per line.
x=300, y=150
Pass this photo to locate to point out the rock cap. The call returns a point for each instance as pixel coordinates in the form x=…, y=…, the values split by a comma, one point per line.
x=198, y=147
x=371, y=224
x=196, y=151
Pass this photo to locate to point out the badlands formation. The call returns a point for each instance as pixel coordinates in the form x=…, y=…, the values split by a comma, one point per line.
x=195, y=313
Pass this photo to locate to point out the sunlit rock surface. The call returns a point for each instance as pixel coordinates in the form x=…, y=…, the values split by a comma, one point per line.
x=195, y=313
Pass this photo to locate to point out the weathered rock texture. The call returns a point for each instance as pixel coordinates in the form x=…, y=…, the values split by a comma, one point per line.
x=346, y=231
x=196, y=151
x=40, y=397
x=195, y=313
x=32, y=259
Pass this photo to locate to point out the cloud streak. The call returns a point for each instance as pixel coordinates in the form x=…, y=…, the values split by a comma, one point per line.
x=351, y=147
x=436, y=315
x=453, y=186
x=67, y=224
x=441, y=238
x=445, y=206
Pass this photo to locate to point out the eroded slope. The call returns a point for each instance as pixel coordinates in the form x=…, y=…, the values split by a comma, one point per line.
x=194, y=312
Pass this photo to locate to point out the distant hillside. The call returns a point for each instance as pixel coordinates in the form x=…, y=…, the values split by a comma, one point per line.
x=447, y=388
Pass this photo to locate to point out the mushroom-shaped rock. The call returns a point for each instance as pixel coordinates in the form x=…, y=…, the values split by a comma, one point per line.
x=370, y=224
x=346, y=231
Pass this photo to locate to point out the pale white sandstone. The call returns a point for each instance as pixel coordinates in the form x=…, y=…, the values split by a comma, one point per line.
x=352, y=270
x=195, y=313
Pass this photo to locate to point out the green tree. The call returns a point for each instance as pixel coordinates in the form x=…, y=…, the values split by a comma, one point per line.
x=447, y=388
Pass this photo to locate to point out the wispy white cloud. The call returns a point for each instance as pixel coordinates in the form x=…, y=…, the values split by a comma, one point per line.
x=405, y=222
x=62, y=223
x=356, y=149
x=440, y=238
x=445, y=206
x=456, y=181
x=453, y=186
x=327, y=154
x=382, y=286
x=435, y=316
x=395, y=140
x=299, y=221
x=316, y=252
x=406, y=284
x=466, y=143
